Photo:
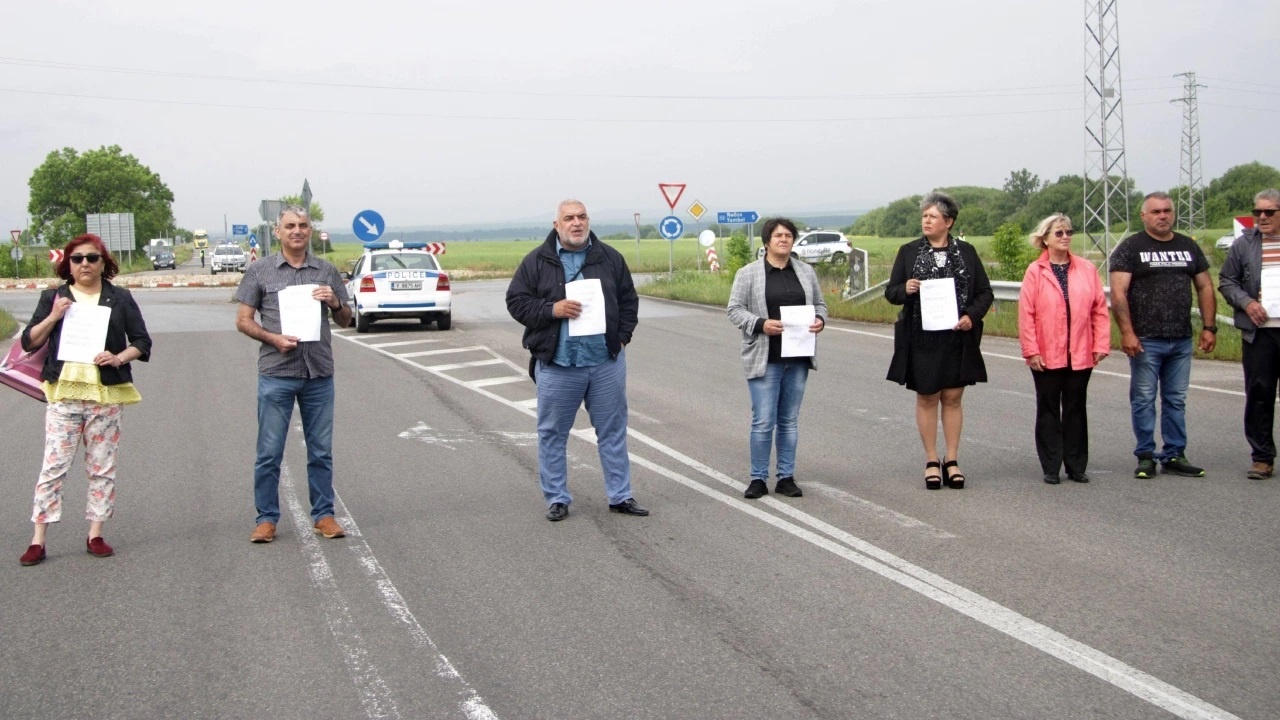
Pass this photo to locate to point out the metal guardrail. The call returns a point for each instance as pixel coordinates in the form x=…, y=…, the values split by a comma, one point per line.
x=1009, y=290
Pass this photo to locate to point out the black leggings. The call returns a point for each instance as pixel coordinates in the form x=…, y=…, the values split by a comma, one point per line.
x=1062, y=420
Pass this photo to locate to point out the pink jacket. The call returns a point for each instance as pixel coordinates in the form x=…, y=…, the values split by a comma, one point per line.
x=1042, y=315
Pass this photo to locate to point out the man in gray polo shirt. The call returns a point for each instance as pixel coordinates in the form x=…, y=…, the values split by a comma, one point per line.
x=290, y=370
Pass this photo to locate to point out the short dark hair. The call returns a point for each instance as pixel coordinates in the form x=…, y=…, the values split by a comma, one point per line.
x=772, y=224
x=109, y=266
x=945, y=204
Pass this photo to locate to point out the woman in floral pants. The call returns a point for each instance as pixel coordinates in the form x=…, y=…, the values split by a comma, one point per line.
x=86, y=397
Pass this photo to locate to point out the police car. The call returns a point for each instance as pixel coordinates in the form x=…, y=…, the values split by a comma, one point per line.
x=816, y=246
x=399, y=280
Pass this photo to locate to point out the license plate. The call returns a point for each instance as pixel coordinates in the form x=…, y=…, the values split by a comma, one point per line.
x=407, y=285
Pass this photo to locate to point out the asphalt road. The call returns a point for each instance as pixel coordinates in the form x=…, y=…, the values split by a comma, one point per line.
x=454, y=598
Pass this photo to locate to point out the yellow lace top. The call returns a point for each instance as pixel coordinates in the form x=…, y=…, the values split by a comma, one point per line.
x=82, y=381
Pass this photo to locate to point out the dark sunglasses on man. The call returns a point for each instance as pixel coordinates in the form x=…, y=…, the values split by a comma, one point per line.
x=1264, y=212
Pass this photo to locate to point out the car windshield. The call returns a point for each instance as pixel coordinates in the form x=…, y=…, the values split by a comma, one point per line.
x=228, y=251
x=404, y=261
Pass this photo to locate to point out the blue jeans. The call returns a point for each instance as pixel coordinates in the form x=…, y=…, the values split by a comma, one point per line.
x=1165, y=362
x=775, y=410
x=561, y=390
x=275, y=409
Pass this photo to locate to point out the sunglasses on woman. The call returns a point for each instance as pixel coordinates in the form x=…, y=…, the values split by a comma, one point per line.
x=1063, y=233
x=1264, y=212
x=91, y=257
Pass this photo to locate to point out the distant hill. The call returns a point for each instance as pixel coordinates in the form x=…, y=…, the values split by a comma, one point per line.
x=539, y=231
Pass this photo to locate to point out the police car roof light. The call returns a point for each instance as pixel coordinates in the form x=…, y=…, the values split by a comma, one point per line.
x=394, y=245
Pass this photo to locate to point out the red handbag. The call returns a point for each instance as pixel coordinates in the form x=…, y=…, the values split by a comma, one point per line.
x=22, y=370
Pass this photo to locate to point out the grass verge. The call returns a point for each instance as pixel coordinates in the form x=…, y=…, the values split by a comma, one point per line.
x=8, y=326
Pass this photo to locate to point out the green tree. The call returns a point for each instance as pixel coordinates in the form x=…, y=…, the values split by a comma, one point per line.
x=1012, y=252
x=1065, y=195
x=974, y=220
x=901, y=218
x=1020, y=186
x=1232, y=193
x=69, y=185
x=738, y=253
x=868, y=223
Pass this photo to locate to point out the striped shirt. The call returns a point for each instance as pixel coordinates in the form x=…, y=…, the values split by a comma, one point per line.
x=260, y=288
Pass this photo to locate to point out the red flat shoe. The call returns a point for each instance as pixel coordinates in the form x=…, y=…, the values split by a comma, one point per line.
x=98, y=547
x=33, y=556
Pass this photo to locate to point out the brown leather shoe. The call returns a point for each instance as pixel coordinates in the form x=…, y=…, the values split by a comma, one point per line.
x=329, y=527
x=1259, y=471
x=264, y=533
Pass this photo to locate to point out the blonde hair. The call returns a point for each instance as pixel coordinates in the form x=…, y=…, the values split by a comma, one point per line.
x=1041, y=233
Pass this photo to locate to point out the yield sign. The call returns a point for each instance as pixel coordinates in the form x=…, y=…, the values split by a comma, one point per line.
x=17, y=234
x=671, y=192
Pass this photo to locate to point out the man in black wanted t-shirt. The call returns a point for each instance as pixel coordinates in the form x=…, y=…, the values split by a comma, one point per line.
x=1151, y=277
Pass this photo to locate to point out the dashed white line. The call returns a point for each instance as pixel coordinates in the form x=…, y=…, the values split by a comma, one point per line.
x=401, y=343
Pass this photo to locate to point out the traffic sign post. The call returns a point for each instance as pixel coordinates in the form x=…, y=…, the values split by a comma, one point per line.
x=17, y=236
x=368, y=225
x=671, y=228
x=253, y=241
x=239, y=229
x=16, y=253
x=671, y=192
x=737, y=217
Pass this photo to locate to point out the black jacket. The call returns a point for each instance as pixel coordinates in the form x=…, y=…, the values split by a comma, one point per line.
x=976, y=305
x=539, y=283
x=125, y=328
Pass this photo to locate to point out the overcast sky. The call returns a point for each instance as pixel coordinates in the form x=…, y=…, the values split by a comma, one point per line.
x=438, y=113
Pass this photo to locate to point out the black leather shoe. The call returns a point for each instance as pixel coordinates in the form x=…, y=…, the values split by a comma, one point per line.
x=557, y=512
x=629, y=507
x=1078, y=477
x=787, y=486
x=1052, y=478
x=756, y=489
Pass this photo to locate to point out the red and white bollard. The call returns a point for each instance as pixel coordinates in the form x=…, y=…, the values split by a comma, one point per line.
x=713, y=263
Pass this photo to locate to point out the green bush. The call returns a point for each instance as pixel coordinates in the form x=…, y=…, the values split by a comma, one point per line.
x=738, y=252
x=1012, y=252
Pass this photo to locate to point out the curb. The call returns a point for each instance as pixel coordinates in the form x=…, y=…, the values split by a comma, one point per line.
x=129, y=282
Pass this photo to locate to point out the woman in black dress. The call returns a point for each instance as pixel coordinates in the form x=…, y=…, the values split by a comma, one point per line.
x=938, y=365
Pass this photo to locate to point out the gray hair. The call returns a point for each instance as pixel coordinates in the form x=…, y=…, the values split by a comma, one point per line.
x=292, y=210
x=1271, y=194
x=1157, y=195
x=943, y=202
x=568, y=201
x=1041, y=233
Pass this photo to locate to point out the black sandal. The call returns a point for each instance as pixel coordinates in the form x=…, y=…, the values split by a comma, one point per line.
x=955, y=481
x=932, y=482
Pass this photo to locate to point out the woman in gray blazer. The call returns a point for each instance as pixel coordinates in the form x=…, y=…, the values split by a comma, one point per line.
x=776, y=383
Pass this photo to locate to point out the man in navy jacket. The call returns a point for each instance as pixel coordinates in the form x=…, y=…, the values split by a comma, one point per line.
x=571, y=369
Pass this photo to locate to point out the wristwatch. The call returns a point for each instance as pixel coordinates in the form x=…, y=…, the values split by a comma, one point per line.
x=1212, y=328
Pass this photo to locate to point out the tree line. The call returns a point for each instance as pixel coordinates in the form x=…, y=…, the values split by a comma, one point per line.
x=1025, y=200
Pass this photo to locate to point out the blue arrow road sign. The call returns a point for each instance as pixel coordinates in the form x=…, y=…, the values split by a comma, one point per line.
x=253, y=240
x=239, y=229
x=740, y=217
x=671, y=227
x=368, y=225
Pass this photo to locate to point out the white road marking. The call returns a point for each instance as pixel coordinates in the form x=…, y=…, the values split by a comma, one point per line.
x=913, y=577
x=498, y=380
x=885, y=513
x=473, y=706
x=459, y=366
x=375, y=696
x=401, y=343
x=529, y=404
x=443, y=351
x=450, y=439
x=362, y=338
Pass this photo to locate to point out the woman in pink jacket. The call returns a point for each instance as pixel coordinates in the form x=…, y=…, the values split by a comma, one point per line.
x=1065, y=331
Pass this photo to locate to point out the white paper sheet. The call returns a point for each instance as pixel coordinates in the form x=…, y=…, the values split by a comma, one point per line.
x=797, y=341
x=84, y=332
x=1270, y=296
x=591, y=320
x=938, y=310
x=300, y=313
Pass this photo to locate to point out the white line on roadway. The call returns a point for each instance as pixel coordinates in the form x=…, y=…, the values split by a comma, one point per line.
x=910, y=576
x=375, y=696
x=498, y=380
x=443, y=351
x=461, y=365
x=401, y=343
x=1206, y=388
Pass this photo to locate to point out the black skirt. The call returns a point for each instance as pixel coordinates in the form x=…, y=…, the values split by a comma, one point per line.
x=943, y=359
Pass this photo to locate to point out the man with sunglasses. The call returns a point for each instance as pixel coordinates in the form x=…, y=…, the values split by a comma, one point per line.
x=1253, y=257
x=1152, y=274
x=291, y=370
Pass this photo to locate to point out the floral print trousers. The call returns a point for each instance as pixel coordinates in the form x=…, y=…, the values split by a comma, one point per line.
x=66, y=424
